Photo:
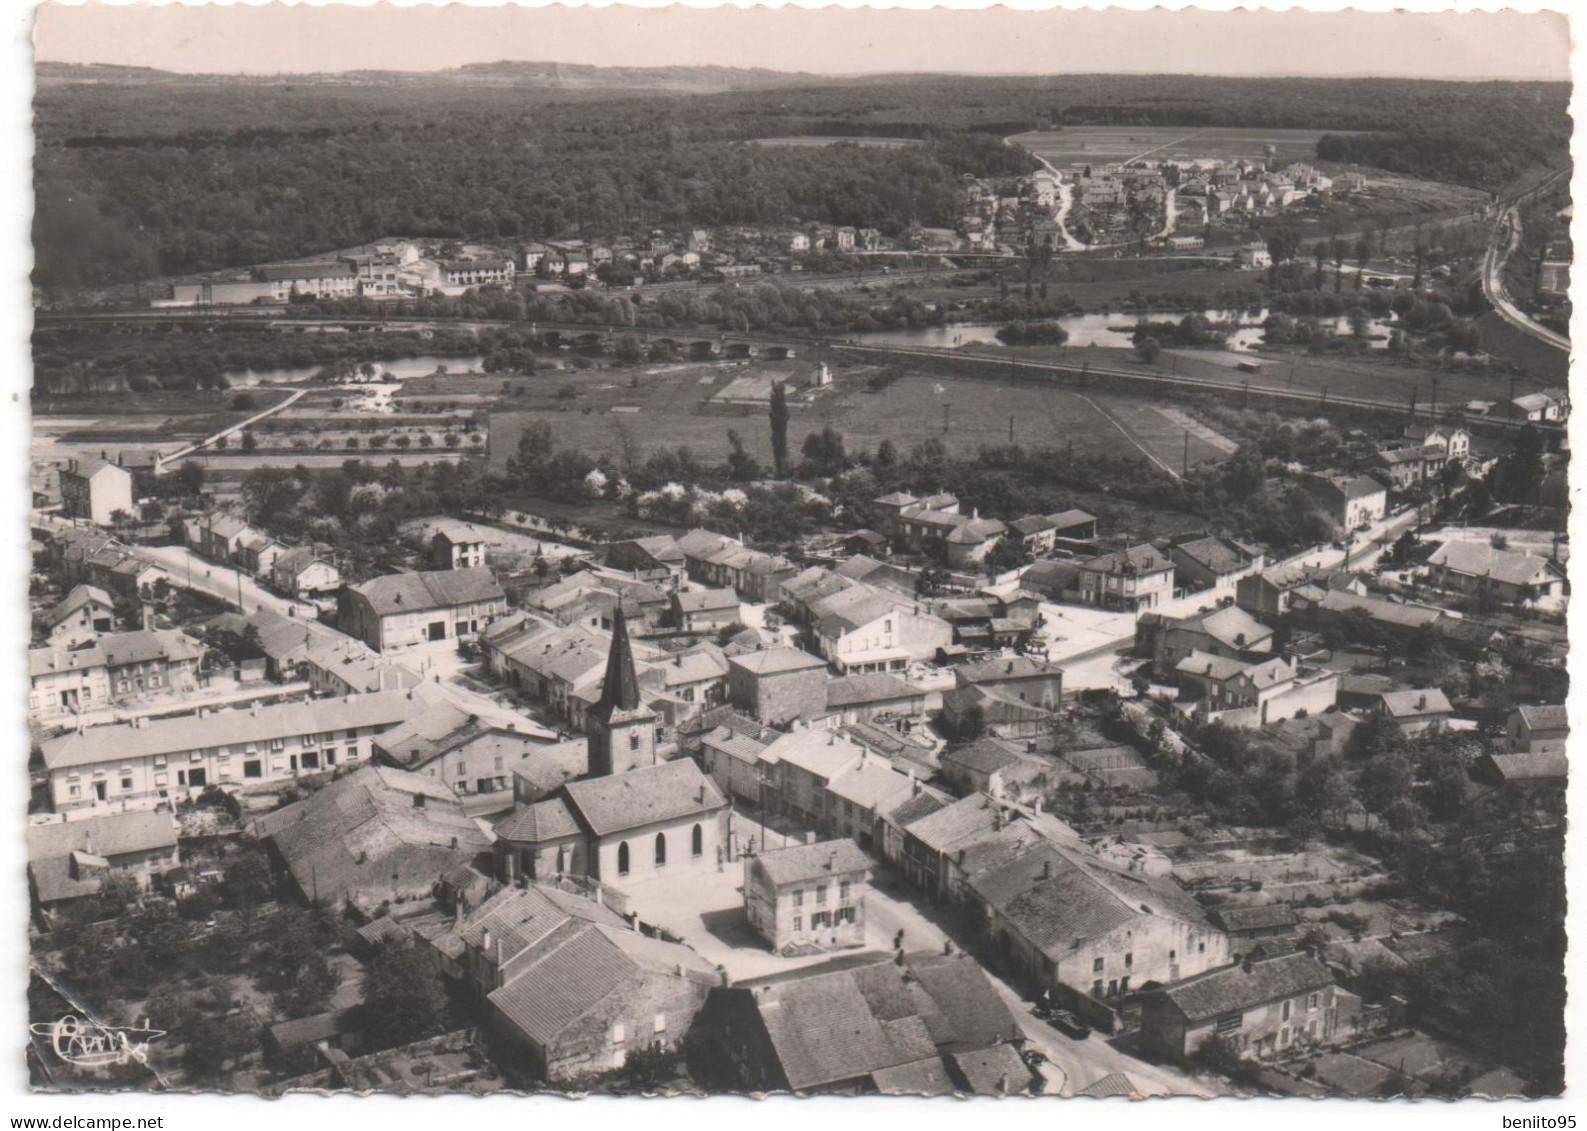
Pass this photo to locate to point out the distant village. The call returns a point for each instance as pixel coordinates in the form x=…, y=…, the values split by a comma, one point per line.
x=1175, y=205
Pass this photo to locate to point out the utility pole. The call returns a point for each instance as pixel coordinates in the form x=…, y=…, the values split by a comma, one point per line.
x=1185, y=464
x=1011, y=429
x=945, y=409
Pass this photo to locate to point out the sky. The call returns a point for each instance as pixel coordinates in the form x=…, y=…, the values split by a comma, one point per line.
x=275, y=39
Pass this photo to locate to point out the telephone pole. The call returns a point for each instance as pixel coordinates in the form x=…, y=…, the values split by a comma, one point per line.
x=945, y=409
x=1185, y=464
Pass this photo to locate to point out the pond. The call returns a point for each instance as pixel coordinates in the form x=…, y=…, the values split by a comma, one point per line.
x=1109, y=330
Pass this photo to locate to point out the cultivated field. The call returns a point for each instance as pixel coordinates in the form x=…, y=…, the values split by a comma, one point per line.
x=1086, y=145
x=671, y=405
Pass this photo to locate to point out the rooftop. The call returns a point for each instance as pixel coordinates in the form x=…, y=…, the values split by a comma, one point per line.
x=1230, y=989
x=805, y=862
x=645, y=796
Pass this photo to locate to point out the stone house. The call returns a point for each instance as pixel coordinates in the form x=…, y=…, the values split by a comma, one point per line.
x=809, y=895
x=1258, y=1006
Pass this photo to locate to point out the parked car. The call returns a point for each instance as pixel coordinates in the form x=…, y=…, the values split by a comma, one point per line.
x=1068, y=1024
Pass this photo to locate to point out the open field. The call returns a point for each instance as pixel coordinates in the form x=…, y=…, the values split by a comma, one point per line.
x=816, y=141
x=669, y=406
x=1366, y=377
x=1168, y=433
x=1085, y=145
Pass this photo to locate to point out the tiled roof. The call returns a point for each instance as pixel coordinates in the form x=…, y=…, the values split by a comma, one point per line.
x=822, y=753
x=114, y=834
x=805, y=862
x=1258, y=917
x=646, y=796
x=740, y=747
x=197, y=732
x=926, y=1077
x=363, y=834
x=1113, y=1084
x=1532, y=767
x=867, y=1016
x=1545, y=716
x=1004, y=667
x=539, y=823
x=565, y=984
x=79, y=596
x=985, y=755
x=1389, y=612
x=946, y=829
x=702, y=600
x=869, y=687
x=1216, y=554
x=1232, y=627
x=997, y=1071
x=1479, y=559
x=1230, y=989
x=1415, y=703
x=1208, y=666
x=1137, y=559
x=773, y=661
x=433, y=589
x=1055, y=895
x=873, y=785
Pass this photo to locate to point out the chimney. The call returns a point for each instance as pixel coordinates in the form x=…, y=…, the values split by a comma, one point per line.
x=832, y=861
x=418, y=801
x=1046, y=869
x=1421, y=702
x=485, y=939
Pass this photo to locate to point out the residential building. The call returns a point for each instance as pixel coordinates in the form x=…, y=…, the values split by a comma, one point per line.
x=1024, y=678
x=1253, y=694
x=476, y=272
x=885, y=1027
x=374, y=836
x=809, y=896
x=303, y=573
x=777, y=685
x=117, y=668
x=732, y=758
x=95, y=489
x=1209, y=563
x=571, y=988
x=704, y=610
x=1351, y=502
x=992, y=766
x=862, y=630
x=1132, y=580
x=1510, y=578
x=457, y=545
x=799, y=766
x=860, y=800
x=1269, y=594
x=71, y=857
x=1090, y=931
x=656, y=558
x=1416, y=710
x=1454, y=442
x=1258, y=1007
x=169, y=759
x=1255, y=923
x=1407, y=466
x=1540, y=729
x=82, y=616
x=474, y=758
x=401, y=610
x=221, y=536
x=1229, y=633
x=1550, y=406
x=861, y=698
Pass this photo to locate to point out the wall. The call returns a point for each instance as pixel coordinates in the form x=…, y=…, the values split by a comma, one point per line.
x=680, y=860
x=778, y=699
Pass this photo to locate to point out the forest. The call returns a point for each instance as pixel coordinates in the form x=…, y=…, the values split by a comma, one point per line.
x=137, y=179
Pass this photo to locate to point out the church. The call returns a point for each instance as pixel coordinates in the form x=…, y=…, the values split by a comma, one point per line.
x=631, y=817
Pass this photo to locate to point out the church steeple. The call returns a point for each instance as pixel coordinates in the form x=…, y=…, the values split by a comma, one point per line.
x=620, y=728
x=621, y=690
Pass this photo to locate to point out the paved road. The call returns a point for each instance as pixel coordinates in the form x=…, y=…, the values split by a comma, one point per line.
x=233, y=429
x=1506, y=238
x=188, y=570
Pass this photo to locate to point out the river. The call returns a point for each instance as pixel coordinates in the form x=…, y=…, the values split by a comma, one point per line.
x=402, y=369
x=1113, y=331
